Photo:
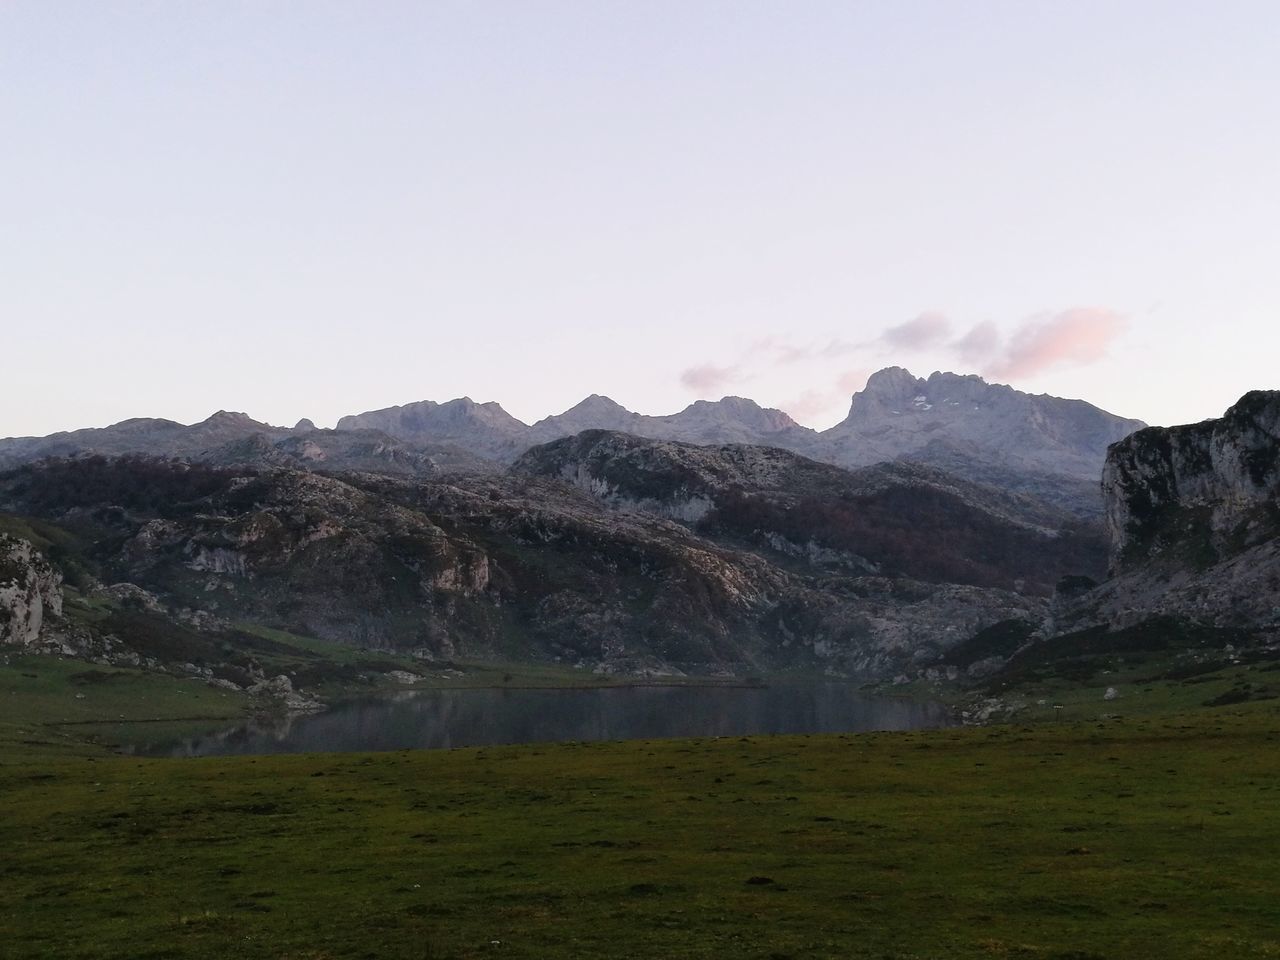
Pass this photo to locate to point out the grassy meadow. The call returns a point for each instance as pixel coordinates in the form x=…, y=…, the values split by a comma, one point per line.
x=1151, y=837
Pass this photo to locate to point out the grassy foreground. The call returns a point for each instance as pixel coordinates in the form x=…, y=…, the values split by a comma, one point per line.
x=1117, y=839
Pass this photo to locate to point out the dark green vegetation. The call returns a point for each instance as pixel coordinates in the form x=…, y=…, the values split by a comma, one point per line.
x=1146, y=838
x=52, y=706
x=1159, y=665
x=998, y=640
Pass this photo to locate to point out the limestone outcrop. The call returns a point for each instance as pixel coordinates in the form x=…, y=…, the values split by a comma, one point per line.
x=30, y=592
x=1193, y=514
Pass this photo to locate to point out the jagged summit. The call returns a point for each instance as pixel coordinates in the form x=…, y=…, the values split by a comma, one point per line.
x=482, y=428
x=900, y=392
x=949, y=417
x=1046, y=446
x=742, y=410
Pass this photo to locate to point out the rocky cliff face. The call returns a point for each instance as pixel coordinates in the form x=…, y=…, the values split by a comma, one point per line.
x=30, y=592
x=1193, y=514
x=1196, y=494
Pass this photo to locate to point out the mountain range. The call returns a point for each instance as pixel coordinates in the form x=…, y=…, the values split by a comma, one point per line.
x=1045, y=446
x=634, y=555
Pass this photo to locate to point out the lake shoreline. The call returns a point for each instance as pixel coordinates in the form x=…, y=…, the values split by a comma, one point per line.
x=443, y=718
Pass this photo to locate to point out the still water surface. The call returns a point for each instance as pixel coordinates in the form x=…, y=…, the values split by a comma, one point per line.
x=466, y=718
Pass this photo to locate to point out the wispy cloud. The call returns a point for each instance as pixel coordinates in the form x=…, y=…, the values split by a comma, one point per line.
x=1078, y=336
x=930, y=329
x=976, y=348
x=708, y=378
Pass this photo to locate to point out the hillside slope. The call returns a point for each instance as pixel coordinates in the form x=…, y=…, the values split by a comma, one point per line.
x=484, y=567
x=893, y=519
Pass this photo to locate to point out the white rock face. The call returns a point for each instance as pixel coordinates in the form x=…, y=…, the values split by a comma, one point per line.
x=30, y=591
x=218, y=560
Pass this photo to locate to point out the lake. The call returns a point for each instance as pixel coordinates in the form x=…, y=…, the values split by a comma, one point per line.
x=435, y=719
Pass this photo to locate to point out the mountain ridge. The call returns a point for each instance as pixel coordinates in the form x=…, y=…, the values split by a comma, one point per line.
x=1045, y=446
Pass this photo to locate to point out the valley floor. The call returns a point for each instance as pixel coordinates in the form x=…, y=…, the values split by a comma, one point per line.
x=1134, y=838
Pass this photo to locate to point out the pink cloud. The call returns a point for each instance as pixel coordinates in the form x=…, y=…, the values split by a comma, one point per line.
x=708, y=378
x=813, y=404
x=927, y=330
x=1077, y=336
x=851, y=381
x=810, y=405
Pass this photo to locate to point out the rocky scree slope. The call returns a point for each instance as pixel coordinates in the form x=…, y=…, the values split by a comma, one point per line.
x=484, y=567
x=897, y=519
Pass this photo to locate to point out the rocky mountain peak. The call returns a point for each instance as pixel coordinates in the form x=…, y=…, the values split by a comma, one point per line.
x=597, y=403
x=898, y=391
x=740, y=410
x=950, y=419
x=304, y=426
x=891, y=383
x=227, y=418
x=489, y=412
x=479, y=428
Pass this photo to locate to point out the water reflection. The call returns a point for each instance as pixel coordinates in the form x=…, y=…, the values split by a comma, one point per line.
x=431, y=719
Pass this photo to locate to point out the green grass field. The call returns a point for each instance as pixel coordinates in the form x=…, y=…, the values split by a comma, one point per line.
x=1118, y=839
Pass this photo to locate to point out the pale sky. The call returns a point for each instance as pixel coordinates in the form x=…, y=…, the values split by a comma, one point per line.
x=313, y=208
